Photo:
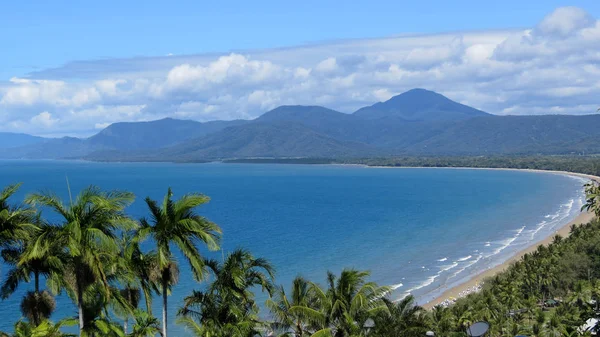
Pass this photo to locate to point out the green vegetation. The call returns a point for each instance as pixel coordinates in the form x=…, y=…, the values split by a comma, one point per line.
x=93, y=254
x=576, y=164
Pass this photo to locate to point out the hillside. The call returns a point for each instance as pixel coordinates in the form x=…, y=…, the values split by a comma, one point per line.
x=551, y=134
x=154, y=134
x=418, y=122
x=9, y=139
x=278, y=139
x=59, y=148
x=124, y=138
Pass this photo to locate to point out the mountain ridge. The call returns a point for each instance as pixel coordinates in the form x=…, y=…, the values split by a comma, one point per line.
x=417, y=122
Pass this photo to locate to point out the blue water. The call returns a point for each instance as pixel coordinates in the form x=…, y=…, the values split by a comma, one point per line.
x=420, y=230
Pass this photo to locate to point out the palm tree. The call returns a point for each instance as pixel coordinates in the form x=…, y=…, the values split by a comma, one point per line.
x=298, y=314
x=97, y=320
x=145, y=325
x=349, y=302
x=15, y=221
x=36, y=305
x=592, y=194
x=134, y=271
x=442, y=320
x=88, y=233
x=22, y=266
x=175, y=222
x=401, y=319
x=227, y=307
x=44, y=329
x=555, y=328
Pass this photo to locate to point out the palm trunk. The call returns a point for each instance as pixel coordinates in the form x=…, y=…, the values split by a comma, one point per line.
x=164, y=310
x=126, y=320
x=148, y=299
x=37, y=282
x=80, y=307
x=79, y=285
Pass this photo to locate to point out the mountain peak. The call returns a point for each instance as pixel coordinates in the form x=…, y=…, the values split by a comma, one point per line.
x=303, y=113
x=420, y=105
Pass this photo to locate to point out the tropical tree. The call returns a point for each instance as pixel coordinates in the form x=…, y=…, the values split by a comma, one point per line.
x=97, y=320
x=228, y=307
x=176, y=222
x=88, y=233
x=592, y=195
x=442, y=320
x=136, y=273
x=145, y=325
x=16, y=221
x=401, y=319
x=298, y=314
x=37, y=305
x=348, y=303
x=44, y=329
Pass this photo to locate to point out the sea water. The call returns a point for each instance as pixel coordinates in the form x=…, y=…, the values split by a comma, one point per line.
x=417, y=230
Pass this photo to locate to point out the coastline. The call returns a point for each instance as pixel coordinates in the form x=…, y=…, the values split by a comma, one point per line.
x=475, y=280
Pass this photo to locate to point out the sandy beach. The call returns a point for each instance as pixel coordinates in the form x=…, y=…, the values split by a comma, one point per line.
x=470, y=285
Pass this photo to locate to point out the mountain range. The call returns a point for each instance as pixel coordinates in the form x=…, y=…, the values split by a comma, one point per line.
x=417, y=122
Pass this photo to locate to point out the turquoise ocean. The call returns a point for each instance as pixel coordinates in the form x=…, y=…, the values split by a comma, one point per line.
x=417, y=230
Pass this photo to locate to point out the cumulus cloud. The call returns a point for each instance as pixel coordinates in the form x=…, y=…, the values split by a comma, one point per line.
x=44, y=119
x=551, y=67
x=564, y=22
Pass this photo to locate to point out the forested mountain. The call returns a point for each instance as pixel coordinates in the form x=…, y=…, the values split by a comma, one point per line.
x=420, y=105
x=9, y=139
x=418, y=122
x=151, y=135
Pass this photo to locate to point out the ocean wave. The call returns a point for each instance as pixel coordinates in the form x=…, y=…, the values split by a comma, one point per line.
x=507, y=242
x=569, y=204
x=448, y=267
x=538, y=228
x=443, y=259
x=555, y=219
x=479, y=257
x=487, y=244
x=423, y=284
x=396, y=286
x=464, y=258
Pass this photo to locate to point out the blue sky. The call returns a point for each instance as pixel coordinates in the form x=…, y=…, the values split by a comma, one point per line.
x=44, y=34
x=71, y=68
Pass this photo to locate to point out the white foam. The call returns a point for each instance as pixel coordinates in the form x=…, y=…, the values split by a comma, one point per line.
x=448, y=267
x=443, y=259
x=396, y=286
x=479, y=257
x=507, y=242
x=487, y=244
x=464, y=258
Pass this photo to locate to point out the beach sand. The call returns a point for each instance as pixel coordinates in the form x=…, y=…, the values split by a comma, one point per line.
x=455, y=292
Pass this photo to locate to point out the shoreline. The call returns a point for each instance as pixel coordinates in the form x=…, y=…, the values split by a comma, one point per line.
x=477, y=279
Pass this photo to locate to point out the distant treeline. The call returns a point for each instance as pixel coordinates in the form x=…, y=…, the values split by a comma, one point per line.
x=281, y=161
x=577, y=164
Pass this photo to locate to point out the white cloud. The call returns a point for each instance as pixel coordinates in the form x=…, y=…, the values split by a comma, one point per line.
x=551, y=67
x=101, y=126
x=44, y=119
x=564, y=21
x=327, y=66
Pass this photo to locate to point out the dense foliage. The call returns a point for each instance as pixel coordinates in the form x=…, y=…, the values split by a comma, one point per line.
x=577, y=164
x=94, y=255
